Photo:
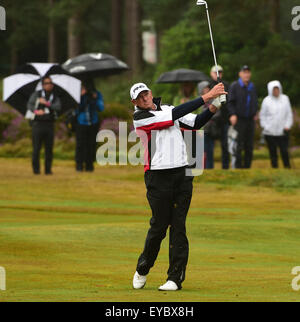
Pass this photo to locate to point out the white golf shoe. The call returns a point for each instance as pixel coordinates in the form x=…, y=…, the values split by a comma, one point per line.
x=168, y=286
x=139, y=281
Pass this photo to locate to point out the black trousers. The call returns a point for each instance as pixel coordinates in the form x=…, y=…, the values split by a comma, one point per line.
x=86, y=146
x=281, y=142
x=224, y=146
x=245, y=141
x=169, y=193
x=42, y=133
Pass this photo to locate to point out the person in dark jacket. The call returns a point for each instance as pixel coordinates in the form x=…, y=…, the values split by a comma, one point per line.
x=44, y=105
x=87, y=127
x=223, y=119
x=243, y=108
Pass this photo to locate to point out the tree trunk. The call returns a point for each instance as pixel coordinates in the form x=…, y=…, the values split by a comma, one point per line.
x=134, y=39
x=14, y=57
x=52, y=41
x=275, y=16
x=74, y=36
x=116, y=27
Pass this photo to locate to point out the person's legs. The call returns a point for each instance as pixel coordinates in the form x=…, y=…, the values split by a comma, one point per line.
x=283, y=143
x=159, y=195
x=91, y=146
x=178, y=244
x=224, y=146
x=80, y=146
x=49, y=142
x=249, y=142
x=37, y=141
x=209, y=151
x=240, y=128
x=272, y=150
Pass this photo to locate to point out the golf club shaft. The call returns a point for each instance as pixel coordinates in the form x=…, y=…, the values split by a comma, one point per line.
x=212, y=42
x=222, y=97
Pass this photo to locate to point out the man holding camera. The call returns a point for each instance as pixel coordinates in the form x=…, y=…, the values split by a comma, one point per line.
x=44, y=105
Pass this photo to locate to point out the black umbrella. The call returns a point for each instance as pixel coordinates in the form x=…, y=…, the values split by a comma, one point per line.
x=182, y=75
x=94, y=65
x=17, y=88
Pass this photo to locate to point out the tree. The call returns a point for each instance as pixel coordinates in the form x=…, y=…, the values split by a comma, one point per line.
x=74, y=35
x=133, y=32
x=116, y=27
x=52, y=38
x=275, y=16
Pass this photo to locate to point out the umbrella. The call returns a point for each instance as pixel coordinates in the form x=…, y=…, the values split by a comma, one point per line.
x=17, y=88
x=94, y=65
x=182, y=75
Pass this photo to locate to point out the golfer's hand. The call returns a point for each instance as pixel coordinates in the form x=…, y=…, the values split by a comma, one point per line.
x=233, y=120
x=215, y=92
x=217, y=102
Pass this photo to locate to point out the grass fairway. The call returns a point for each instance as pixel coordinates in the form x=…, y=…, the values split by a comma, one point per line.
x=76, y=237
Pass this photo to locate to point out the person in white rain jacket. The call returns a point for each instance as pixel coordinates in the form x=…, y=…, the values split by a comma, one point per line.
x=276, y=119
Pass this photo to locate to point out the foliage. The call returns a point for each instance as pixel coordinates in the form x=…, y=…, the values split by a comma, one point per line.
x=187, y=44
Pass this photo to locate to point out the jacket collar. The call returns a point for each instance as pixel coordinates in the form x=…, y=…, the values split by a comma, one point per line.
x=156, y=101
x=249, y=87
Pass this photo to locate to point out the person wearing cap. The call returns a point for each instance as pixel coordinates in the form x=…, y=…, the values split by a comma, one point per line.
x=243, y=109
x=276, y=119
x=169, y=190
x=223, y=119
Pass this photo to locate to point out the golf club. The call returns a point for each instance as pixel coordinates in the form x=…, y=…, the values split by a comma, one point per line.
x=201, y=3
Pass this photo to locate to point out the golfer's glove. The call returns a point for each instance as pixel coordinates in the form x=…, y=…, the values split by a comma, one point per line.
x=217, y=103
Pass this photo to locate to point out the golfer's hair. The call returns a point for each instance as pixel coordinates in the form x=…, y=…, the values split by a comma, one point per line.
x=44, y=78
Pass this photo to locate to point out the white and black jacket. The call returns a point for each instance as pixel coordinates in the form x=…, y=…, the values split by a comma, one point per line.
x=160, y=132
x=276, y=113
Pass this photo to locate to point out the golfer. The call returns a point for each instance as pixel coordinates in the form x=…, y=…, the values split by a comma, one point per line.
x=169, y=190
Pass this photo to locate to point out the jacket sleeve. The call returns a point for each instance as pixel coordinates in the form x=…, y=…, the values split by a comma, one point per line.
x=255, y=101
x=232, y=100
x=195, y=122
x=100, y=103
x=263, y=114
x=56, y=104
x=186, y=108
x=289, y=115
x=32, y=102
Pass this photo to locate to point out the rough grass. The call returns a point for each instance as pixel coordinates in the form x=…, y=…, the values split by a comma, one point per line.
x=76, y=237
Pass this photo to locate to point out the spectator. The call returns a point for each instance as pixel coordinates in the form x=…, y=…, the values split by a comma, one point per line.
x=187, y=93
x=243, y=107
x=276, y=119
x=44, y=104
x=223, y=119
x=211, y=129
x=87, y=127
